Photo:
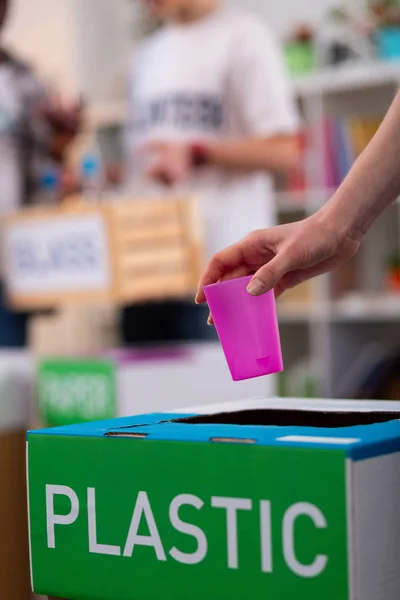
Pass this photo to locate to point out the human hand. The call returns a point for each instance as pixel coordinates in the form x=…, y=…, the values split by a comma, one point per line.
x=70, y=183
x=64, y=120
x=170, y=163
x=282, y=257
x=114, y=173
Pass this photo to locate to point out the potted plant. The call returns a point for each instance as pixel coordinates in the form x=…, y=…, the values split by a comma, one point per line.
x=300, y=50
x=386, y=15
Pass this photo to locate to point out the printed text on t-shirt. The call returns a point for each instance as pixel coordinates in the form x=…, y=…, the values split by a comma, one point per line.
x=184, y=111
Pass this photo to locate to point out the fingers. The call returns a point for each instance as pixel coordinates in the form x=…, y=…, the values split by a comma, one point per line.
x=65, y=117
x=235, y=274
x=268, y=277
x=162, y=177
x=221, y=264
x=159, y=173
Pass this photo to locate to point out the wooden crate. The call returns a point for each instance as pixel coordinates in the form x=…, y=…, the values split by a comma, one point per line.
x=121, y=252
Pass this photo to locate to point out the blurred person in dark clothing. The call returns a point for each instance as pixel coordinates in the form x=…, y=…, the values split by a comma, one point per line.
x=211, y=114
x=35, y=128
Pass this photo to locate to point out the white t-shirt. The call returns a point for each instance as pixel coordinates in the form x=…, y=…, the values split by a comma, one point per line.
x=219, y=78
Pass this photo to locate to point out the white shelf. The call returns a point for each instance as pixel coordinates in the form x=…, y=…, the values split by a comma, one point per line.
x=355, y=308
x=348, y=78
x=367, y=307
x=304, y=312
x=293, y=312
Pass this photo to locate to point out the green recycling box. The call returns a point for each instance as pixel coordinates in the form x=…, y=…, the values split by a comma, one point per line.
x=262, y=499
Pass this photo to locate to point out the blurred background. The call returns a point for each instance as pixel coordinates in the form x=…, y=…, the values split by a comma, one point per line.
x=137, y=138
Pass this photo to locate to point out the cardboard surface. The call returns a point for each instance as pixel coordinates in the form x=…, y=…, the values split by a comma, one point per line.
x=111, y=566
x=247, y=499
x=14, y=554
x=378, y=432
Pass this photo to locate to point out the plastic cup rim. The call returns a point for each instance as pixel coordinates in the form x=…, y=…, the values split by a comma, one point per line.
x=228, y=281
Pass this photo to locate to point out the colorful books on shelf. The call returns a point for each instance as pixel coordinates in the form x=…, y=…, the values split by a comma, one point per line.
x=343, y=141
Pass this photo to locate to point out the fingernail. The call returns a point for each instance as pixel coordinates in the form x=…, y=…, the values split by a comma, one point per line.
x=256, y=287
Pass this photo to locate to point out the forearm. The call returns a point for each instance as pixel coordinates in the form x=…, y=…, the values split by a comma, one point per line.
x=278, y=155
x=372, y=184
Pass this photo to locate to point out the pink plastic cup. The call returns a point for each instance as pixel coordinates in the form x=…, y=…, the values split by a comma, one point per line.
x=247, y=327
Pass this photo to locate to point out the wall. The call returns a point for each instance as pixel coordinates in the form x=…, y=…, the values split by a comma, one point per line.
x=78, y=45
x=39, y=30
x=104, y=34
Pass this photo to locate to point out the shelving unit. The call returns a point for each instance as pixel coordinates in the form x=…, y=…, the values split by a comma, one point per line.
x=318, y=330
x=338, y=329
x=347, y=78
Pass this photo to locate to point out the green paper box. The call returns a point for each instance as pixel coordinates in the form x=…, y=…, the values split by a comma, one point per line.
x=130, y=382
x=274, y=499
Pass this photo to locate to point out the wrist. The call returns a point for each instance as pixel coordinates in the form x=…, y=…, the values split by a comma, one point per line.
x=343, y=216
x=200, y=155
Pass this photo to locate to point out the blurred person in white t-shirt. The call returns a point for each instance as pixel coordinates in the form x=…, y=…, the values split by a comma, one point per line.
x=211, y=114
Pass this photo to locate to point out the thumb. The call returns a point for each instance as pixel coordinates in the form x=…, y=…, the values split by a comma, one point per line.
x=269, y=275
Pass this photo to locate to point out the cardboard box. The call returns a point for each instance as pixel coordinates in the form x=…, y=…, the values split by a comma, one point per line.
x=56, y=334
x=265, y=499
x=132, y=382
x=124, y=251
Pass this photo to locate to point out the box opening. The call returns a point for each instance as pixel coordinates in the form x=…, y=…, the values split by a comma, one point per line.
x=293, y=418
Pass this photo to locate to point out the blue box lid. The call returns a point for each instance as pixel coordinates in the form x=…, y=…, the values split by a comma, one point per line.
x=361, y=429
